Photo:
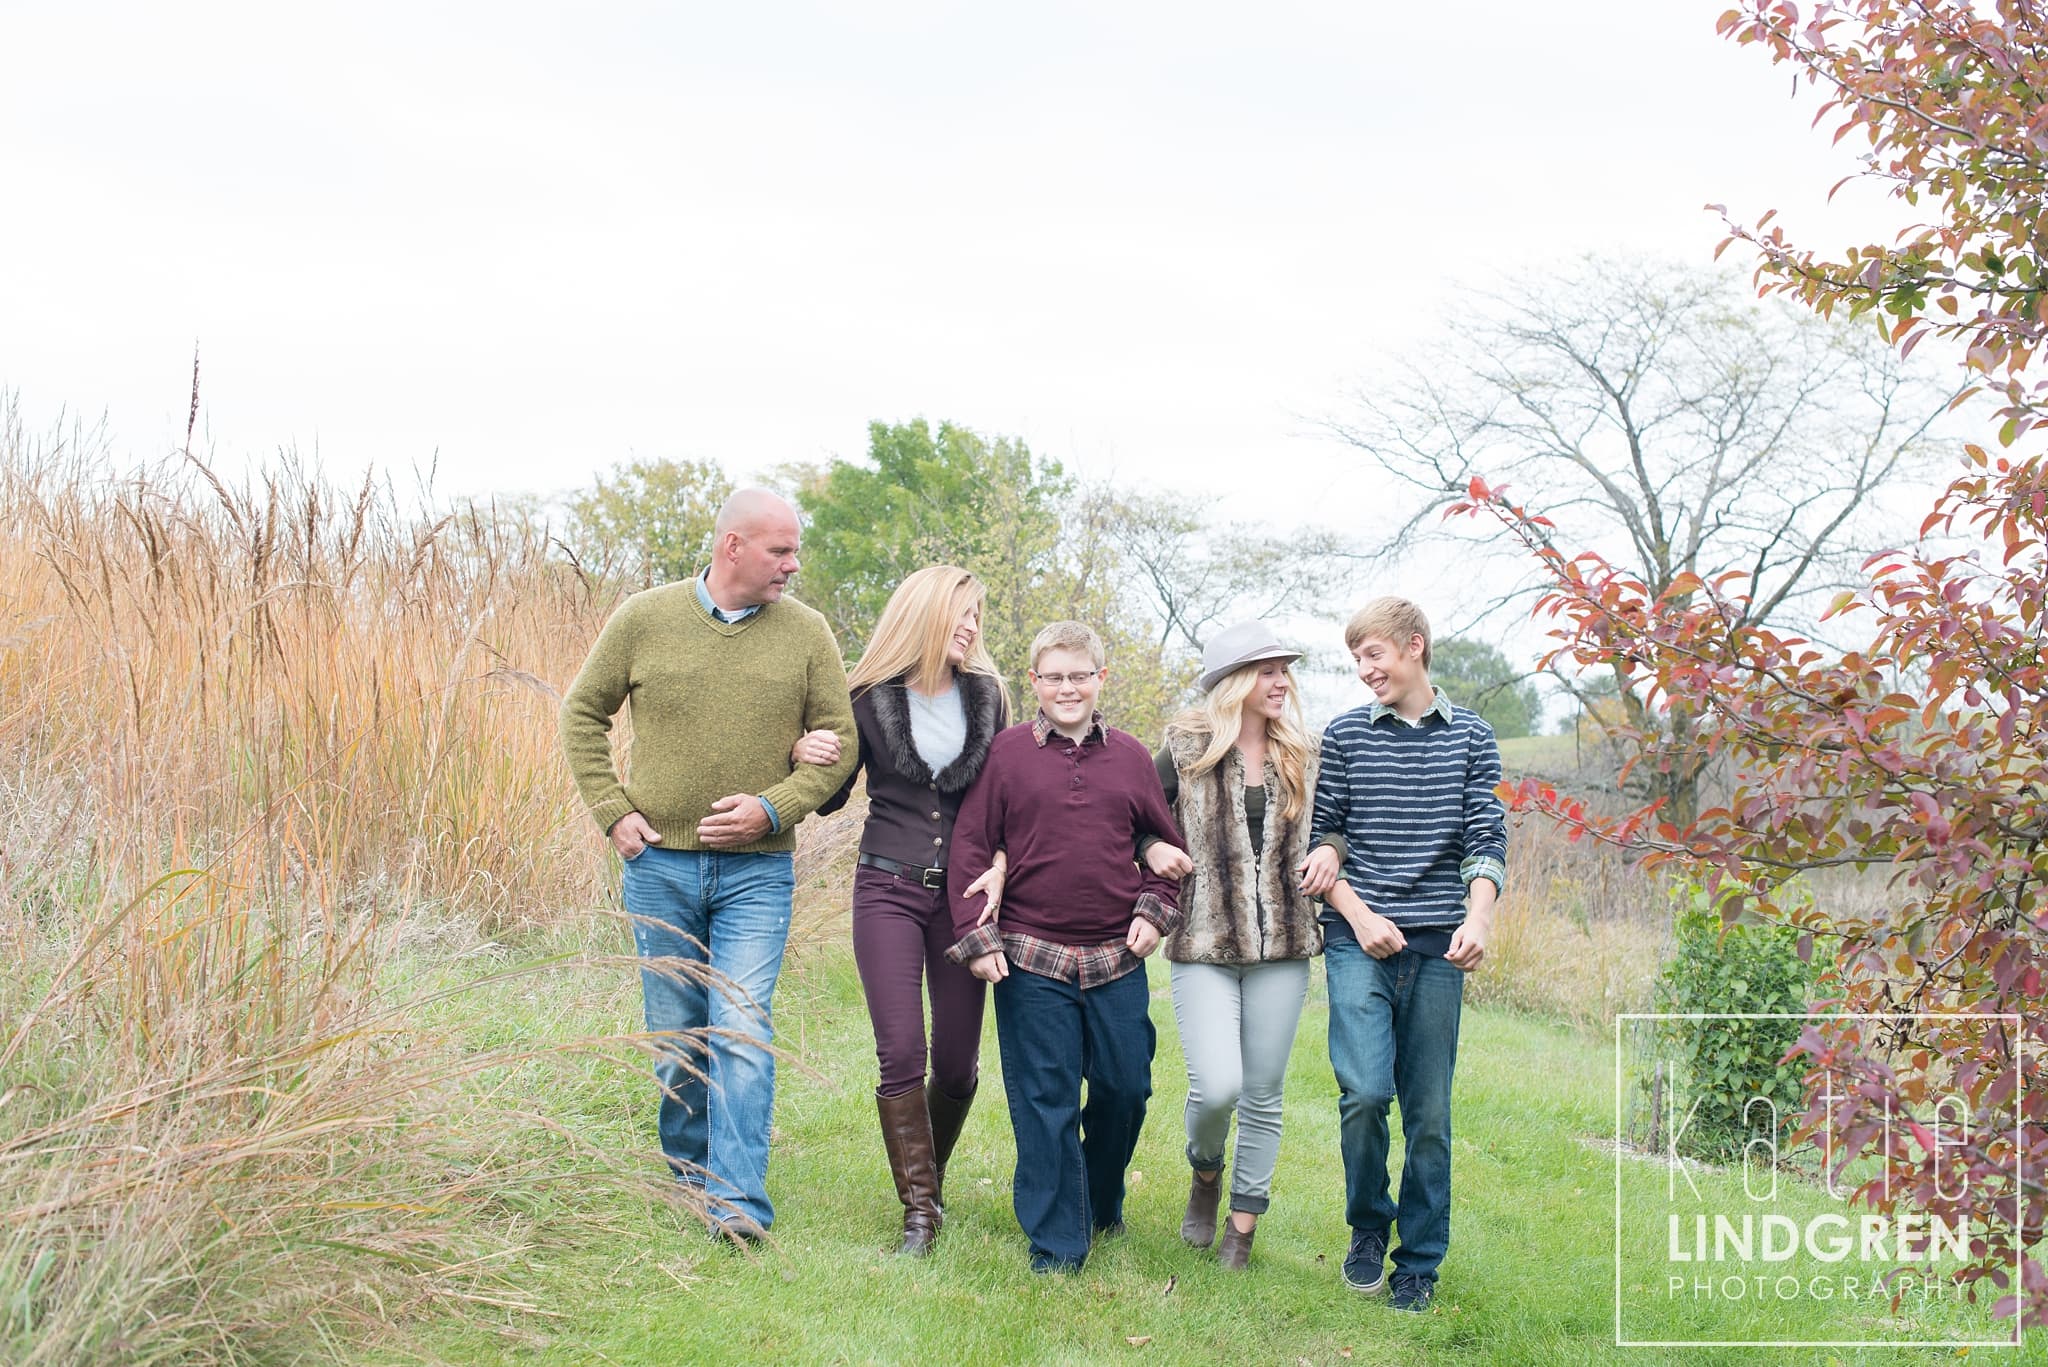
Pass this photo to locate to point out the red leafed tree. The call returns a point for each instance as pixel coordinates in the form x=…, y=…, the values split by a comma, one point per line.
x=1925, y=752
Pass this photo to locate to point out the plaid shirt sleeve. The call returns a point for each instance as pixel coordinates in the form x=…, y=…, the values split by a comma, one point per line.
x=981, y=940
x=1160, y=914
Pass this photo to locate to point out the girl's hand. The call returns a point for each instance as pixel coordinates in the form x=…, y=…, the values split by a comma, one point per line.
x=1168, y=861
x=816, y=747
x=990, y=883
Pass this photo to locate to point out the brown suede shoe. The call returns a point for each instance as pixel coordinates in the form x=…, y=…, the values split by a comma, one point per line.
x=1234, y=1250
x=1198, y=1226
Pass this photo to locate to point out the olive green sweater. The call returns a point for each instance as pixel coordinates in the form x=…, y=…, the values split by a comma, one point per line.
x=716, y=708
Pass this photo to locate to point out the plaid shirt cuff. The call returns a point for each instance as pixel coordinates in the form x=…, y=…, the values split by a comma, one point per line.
x=1167, y=918
x=981, y=940
x=1485, y=866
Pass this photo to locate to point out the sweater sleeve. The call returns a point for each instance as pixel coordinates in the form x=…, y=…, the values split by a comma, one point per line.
x=977, y=835
x=826, y=708
x=1332, y=817
x=600, y=690
x=1169, y=782
x=1158, y=898
x=1486, y=826
x=844, y=793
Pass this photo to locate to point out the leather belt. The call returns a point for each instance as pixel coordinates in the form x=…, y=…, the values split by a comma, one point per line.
x=934, y=879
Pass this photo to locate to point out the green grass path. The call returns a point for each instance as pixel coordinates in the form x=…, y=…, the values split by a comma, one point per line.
x=1529, y=1278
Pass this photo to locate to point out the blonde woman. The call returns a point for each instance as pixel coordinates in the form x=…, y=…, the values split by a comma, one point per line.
x=1239, y=768
x=927, y=701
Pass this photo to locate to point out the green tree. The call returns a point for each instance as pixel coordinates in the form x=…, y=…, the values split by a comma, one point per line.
x=1478, y=676
x=922, y=498
x=651, y=519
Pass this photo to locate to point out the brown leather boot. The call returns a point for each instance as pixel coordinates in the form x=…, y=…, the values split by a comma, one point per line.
x=1198, y=1226
x=907, y=1134
x=1234, y=1249
x=948, y=1114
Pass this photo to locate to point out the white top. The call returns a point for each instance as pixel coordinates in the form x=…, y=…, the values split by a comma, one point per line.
x=938, y=726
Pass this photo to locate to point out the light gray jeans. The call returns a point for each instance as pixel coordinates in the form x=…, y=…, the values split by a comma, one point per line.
x=1236, y=1029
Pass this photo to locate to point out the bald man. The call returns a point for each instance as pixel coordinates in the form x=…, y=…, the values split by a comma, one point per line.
x=722, y=673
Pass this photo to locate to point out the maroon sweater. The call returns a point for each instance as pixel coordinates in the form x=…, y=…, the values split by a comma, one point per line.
x=1068, y=817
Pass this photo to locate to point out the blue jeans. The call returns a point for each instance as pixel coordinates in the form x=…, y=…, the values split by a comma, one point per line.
x=1071, y=1158
x=717, y=1087
x=1394, y=1036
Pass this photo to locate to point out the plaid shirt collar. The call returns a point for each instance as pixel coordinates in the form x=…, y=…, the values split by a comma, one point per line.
x=1042, y=729
x=1439, y=706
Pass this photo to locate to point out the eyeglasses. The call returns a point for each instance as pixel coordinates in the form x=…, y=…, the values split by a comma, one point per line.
x=1062, y=680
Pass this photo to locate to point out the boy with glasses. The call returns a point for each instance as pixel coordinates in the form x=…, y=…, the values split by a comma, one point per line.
x=1066, y=799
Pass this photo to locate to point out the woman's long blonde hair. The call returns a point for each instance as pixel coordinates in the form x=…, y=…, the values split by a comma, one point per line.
x=1220, y=715
x=916, y=630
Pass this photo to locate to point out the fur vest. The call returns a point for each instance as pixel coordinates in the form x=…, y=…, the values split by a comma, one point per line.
x=1240, y=907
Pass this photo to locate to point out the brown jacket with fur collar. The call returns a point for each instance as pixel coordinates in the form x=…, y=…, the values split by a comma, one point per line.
x=911, y=809
x=1241, y=906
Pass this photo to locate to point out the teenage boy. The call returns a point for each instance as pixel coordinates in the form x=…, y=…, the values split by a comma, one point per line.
x=1067, y=799
x=1412, y=847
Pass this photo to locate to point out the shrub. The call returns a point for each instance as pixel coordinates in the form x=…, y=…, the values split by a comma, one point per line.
x=1730, y=1080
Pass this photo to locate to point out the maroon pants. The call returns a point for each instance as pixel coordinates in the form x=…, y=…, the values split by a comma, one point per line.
x=900, y=935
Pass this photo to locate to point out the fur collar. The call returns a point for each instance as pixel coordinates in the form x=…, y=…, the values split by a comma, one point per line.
x=983, y=699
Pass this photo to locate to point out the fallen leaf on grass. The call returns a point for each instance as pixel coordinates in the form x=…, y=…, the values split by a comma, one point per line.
x=1171, y=1282
x=1343, y=1352
x=1137, y=1340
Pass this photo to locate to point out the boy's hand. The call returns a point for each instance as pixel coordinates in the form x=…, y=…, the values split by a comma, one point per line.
x=1168, y=861
x=991, y=883
x=816, y=747
x=1143, y=937
x=991, y=967
x=1319, y=871
x=1468, y=944
x=1377, y=935
x=1468, y=941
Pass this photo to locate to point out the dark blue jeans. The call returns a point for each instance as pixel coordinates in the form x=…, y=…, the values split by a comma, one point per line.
x=717, y=1077
x=1071, y=1158
x=1394, y=1036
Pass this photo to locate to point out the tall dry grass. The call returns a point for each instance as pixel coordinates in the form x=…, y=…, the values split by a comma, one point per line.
x=370, y=690
x=1581, y=934
x=247, y=735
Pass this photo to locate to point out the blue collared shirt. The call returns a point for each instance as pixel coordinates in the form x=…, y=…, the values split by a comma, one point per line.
x=718, y=613
x=1439, y=705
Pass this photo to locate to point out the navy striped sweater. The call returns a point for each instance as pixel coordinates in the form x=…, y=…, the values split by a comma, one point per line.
x=1416, y=808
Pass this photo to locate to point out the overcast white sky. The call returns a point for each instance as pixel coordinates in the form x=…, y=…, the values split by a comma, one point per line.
x=540, y=240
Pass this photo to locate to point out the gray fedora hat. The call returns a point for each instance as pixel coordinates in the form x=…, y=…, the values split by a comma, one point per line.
x=1237, y=646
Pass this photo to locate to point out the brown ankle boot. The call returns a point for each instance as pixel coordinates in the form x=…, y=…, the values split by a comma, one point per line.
x=907, y=1134
x=1198, y=1226
x=948, y=1114
x=1234, y=1250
